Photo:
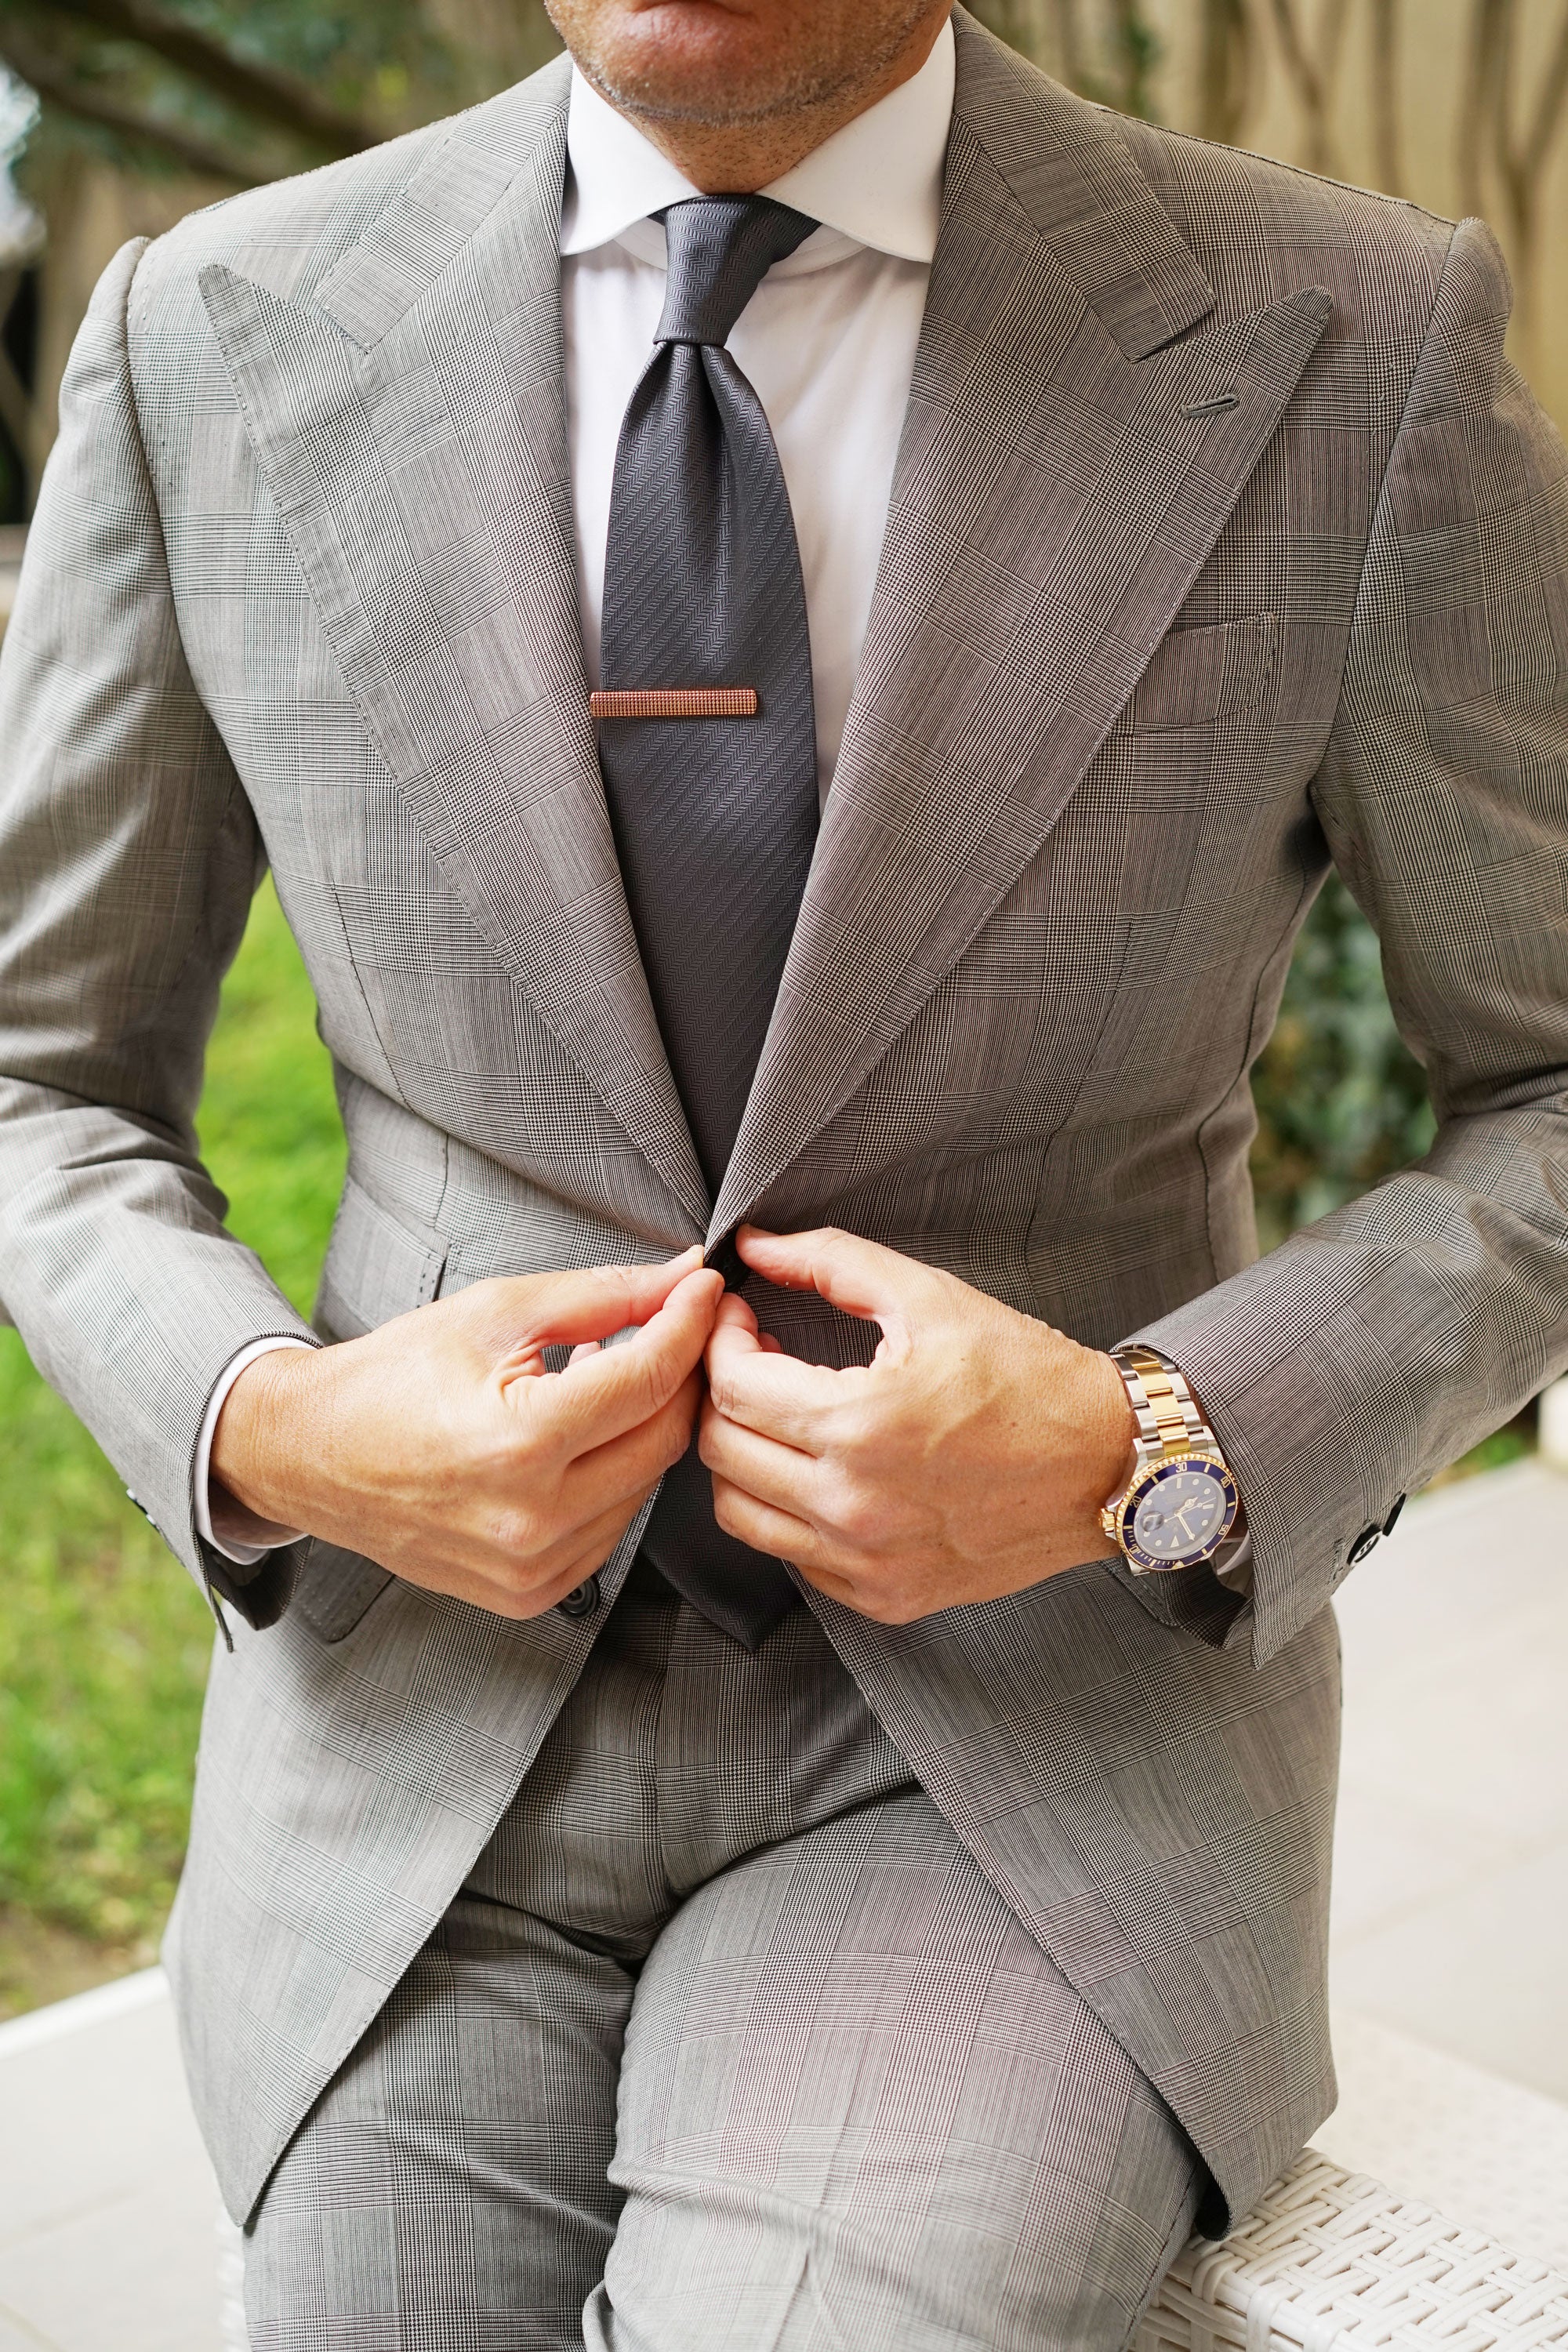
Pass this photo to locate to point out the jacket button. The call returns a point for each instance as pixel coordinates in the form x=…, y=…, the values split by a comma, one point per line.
x=1393, y=1519
x=583, y=1600
x=1362, y=1545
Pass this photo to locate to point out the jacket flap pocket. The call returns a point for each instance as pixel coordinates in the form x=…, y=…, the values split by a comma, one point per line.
x=378, y=1266
x=336, y=1588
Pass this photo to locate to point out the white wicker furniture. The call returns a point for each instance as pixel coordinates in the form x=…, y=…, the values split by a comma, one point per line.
x=1332, y=2261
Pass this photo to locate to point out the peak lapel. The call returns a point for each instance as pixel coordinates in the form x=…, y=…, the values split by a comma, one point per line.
x=1055, y=498
x=411, y=424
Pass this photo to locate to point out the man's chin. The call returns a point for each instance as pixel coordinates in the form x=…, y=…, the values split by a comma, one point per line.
x=699, y=62
x=714, y=96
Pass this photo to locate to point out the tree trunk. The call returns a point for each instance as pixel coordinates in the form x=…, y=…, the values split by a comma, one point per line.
x=1228, y=56
x=1387, y=143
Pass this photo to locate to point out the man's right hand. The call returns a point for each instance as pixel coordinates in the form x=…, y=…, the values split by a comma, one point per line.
x=441, y=1446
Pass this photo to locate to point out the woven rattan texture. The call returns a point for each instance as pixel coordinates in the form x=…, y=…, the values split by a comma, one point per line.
x=1331, y=2260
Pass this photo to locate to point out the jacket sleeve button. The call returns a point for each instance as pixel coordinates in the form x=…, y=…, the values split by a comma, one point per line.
x=1363, y=1543
x=1393, y=1519
x=581, y=1601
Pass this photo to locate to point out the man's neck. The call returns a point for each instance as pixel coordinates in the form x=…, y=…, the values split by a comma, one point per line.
x=738, y=158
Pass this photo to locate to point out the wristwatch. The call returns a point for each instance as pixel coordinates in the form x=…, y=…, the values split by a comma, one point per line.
x=1180, y=1502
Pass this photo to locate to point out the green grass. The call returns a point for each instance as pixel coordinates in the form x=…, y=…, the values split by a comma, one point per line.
x=103, y=1638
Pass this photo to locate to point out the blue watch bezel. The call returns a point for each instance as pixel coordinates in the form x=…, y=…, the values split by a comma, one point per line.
x=1146, y=1562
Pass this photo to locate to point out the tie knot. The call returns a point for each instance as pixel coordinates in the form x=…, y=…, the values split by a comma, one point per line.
x=721, y=249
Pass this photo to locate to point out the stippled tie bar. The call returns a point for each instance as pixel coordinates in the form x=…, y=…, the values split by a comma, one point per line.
x=676, y=702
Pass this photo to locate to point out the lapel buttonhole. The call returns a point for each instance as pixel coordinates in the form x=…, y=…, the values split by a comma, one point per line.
x=1214, y=407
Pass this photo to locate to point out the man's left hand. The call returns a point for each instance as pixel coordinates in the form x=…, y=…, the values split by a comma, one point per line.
x=968, y=1460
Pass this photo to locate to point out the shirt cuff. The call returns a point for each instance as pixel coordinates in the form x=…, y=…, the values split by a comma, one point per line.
x=238, y=1533
x=1233, y=1565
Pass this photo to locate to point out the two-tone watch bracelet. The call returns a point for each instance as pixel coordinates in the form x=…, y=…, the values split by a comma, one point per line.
x=1164, y=1406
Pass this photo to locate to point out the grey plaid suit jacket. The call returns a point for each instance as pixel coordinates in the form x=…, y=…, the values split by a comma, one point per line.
x=1224, y=542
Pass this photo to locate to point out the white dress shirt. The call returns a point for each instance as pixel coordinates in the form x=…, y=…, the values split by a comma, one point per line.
x=829, y=342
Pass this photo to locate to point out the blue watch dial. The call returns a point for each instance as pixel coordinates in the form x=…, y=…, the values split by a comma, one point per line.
x=1178, y=1515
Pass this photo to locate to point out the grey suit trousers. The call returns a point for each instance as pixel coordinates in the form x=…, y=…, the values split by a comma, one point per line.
x=726, y=2043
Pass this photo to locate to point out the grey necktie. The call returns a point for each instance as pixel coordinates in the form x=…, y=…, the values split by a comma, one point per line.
x=714, y=815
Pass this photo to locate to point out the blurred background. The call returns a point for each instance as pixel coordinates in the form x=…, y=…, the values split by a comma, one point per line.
x=118, y=116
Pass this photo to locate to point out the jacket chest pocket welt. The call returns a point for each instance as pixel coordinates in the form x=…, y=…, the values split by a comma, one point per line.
x=1195, y=781
x=1203, y=788
x=1196, y=676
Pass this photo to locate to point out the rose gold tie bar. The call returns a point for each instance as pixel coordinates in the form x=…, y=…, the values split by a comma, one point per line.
x=676, y=702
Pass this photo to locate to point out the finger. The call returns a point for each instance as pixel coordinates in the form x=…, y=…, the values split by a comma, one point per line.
x=734, y=1309
x=623, y=1386
x=860, y=1276
x=782, y=1537
x=766, y=1389
x=581, y=1354
x=508, y=1586
x=778, y=1535
x=578, y=1556
x=591, y=1548
x=592, y=1302
x=634, y=1463
x=736, y=1321
x=770, y=1473
x=735, y=1315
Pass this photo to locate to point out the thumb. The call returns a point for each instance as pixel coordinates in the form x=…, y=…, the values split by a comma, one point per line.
x=602, y=1395
x=590, y=1303
x=858, y=1276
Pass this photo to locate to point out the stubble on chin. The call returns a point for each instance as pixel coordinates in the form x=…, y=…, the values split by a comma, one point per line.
x=815, y=76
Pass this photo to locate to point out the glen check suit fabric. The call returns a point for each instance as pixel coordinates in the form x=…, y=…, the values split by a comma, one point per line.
x=1223, y=540
x=769, y=2064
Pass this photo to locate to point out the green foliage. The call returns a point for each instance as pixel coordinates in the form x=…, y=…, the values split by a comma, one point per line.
x=104, y=1639
x=1107, y=51
x=1340, y=1101
x=269, y=1124
x=246, y=90
x=103, y=1648
x=1136, y=48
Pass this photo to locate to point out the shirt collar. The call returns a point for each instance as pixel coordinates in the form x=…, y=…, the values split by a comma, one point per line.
x=876, y=182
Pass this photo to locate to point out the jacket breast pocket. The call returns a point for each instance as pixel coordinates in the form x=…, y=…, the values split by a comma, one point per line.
x=378, y=1266
x=1199, y=675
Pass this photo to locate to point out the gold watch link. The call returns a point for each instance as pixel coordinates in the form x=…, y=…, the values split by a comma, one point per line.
x=1180, y=1502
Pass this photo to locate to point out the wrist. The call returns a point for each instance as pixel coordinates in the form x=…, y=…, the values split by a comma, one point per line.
x=1114, y=1429
x=1108, y=1452
x=257, y=1457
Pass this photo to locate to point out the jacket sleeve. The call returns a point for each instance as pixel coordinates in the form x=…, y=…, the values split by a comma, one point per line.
x=1348, y=1366
x=128, y=858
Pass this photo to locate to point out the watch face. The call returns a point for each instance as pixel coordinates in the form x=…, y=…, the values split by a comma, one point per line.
x=1179, y=1514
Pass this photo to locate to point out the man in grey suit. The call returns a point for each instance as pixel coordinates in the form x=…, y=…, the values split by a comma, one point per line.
x=799, y=615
